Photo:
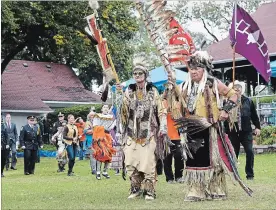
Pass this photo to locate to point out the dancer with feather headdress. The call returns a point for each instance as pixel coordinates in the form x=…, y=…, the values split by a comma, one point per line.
x=211, y=153
x=143, y=129
x=205, y=148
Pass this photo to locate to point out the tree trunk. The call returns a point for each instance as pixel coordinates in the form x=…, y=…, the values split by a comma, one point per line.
x=11, y=55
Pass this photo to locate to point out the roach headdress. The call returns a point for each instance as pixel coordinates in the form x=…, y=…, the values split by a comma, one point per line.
x=201, y=59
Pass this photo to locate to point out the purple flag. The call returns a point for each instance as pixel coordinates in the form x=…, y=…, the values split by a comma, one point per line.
x=249, y=41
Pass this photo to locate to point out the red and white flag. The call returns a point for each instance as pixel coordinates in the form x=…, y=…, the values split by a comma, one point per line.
x=182, y=38
x=102, y=47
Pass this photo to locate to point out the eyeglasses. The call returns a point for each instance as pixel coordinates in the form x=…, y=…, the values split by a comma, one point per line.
x=138, y=73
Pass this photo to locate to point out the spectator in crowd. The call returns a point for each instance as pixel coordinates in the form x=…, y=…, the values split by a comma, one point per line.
x=88, y=131
x=81, y=125
x=46, y=135
x=175, y=148
x=57, y=139
x=58, y=123
x=5, y=146
x=30, y=141
x=13, y=139
x=239, y=127
x=40, y=131
x=159, y=167
x=70, y=136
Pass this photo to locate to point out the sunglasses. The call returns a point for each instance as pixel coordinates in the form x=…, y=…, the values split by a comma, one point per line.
x=138, y=73
x=31, y=120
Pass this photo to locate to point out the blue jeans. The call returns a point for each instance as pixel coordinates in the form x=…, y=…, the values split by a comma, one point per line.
x=82, y=150
x=71, y=152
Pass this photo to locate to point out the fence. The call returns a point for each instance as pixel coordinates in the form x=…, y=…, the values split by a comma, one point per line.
x=266, y=109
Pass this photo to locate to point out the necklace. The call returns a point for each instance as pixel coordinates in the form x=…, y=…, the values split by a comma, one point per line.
x=139, y=93
x=192, y=97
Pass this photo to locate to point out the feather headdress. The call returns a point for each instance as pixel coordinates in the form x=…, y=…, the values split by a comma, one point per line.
x=201, y=59
x=140, y=62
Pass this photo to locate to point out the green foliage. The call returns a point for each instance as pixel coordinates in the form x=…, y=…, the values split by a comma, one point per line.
x=141, y=42
x=78, y=111
x=211, y=14
x=268, y=136
x=267, y=99
x=54, y=31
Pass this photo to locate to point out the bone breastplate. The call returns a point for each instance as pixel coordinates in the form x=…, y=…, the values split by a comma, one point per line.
x=140, y=114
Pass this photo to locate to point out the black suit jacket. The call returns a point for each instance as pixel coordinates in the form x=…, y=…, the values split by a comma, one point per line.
x=248, y=114
x=4, y=137
x=12, y=132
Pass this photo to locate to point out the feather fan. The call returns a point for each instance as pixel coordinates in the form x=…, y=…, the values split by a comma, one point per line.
x=192, y=124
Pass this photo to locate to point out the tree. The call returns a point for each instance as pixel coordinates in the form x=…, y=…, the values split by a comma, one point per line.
x=54, y=32
x=141, y=43
x=216, y=16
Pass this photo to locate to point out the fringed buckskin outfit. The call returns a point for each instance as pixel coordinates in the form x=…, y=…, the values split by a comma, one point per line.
x=205, y=172
x=142, y=116
x=61, y=151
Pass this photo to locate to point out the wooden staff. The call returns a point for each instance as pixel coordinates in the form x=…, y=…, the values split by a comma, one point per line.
x=234, y=47
x=234, y=64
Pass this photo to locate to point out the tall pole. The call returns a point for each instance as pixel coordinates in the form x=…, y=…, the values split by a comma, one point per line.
x=234, y=64
x=257, y=101
x=234, y=47
x=155, y=38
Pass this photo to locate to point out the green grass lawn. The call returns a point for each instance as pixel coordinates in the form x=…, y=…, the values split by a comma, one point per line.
x=48, y=189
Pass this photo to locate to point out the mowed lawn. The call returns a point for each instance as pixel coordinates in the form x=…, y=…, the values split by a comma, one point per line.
x=48, y=189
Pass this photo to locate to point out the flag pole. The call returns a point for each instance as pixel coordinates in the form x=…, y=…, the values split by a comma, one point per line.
x=258, y=99
x=234, y=65
x=234, y=47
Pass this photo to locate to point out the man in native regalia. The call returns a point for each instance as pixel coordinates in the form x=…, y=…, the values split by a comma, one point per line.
x=57, y=140
x=206, y=163
x=143, y=122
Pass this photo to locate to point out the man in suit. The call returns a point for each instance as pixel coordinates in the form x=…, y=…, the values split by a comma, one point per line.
x=39, y=126
x=4, y=146
x=30, y=141
x=13, y=139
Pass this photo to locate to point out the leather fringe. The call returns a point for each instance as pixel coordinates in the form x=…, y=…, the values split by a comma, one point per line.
x=148, y=187
x=192, y=176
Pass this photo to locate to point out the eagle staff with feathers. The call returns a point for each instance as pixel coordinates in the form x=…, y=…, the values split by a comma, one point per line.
x=208, y=153
x=109, y=71
x=95, y=34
